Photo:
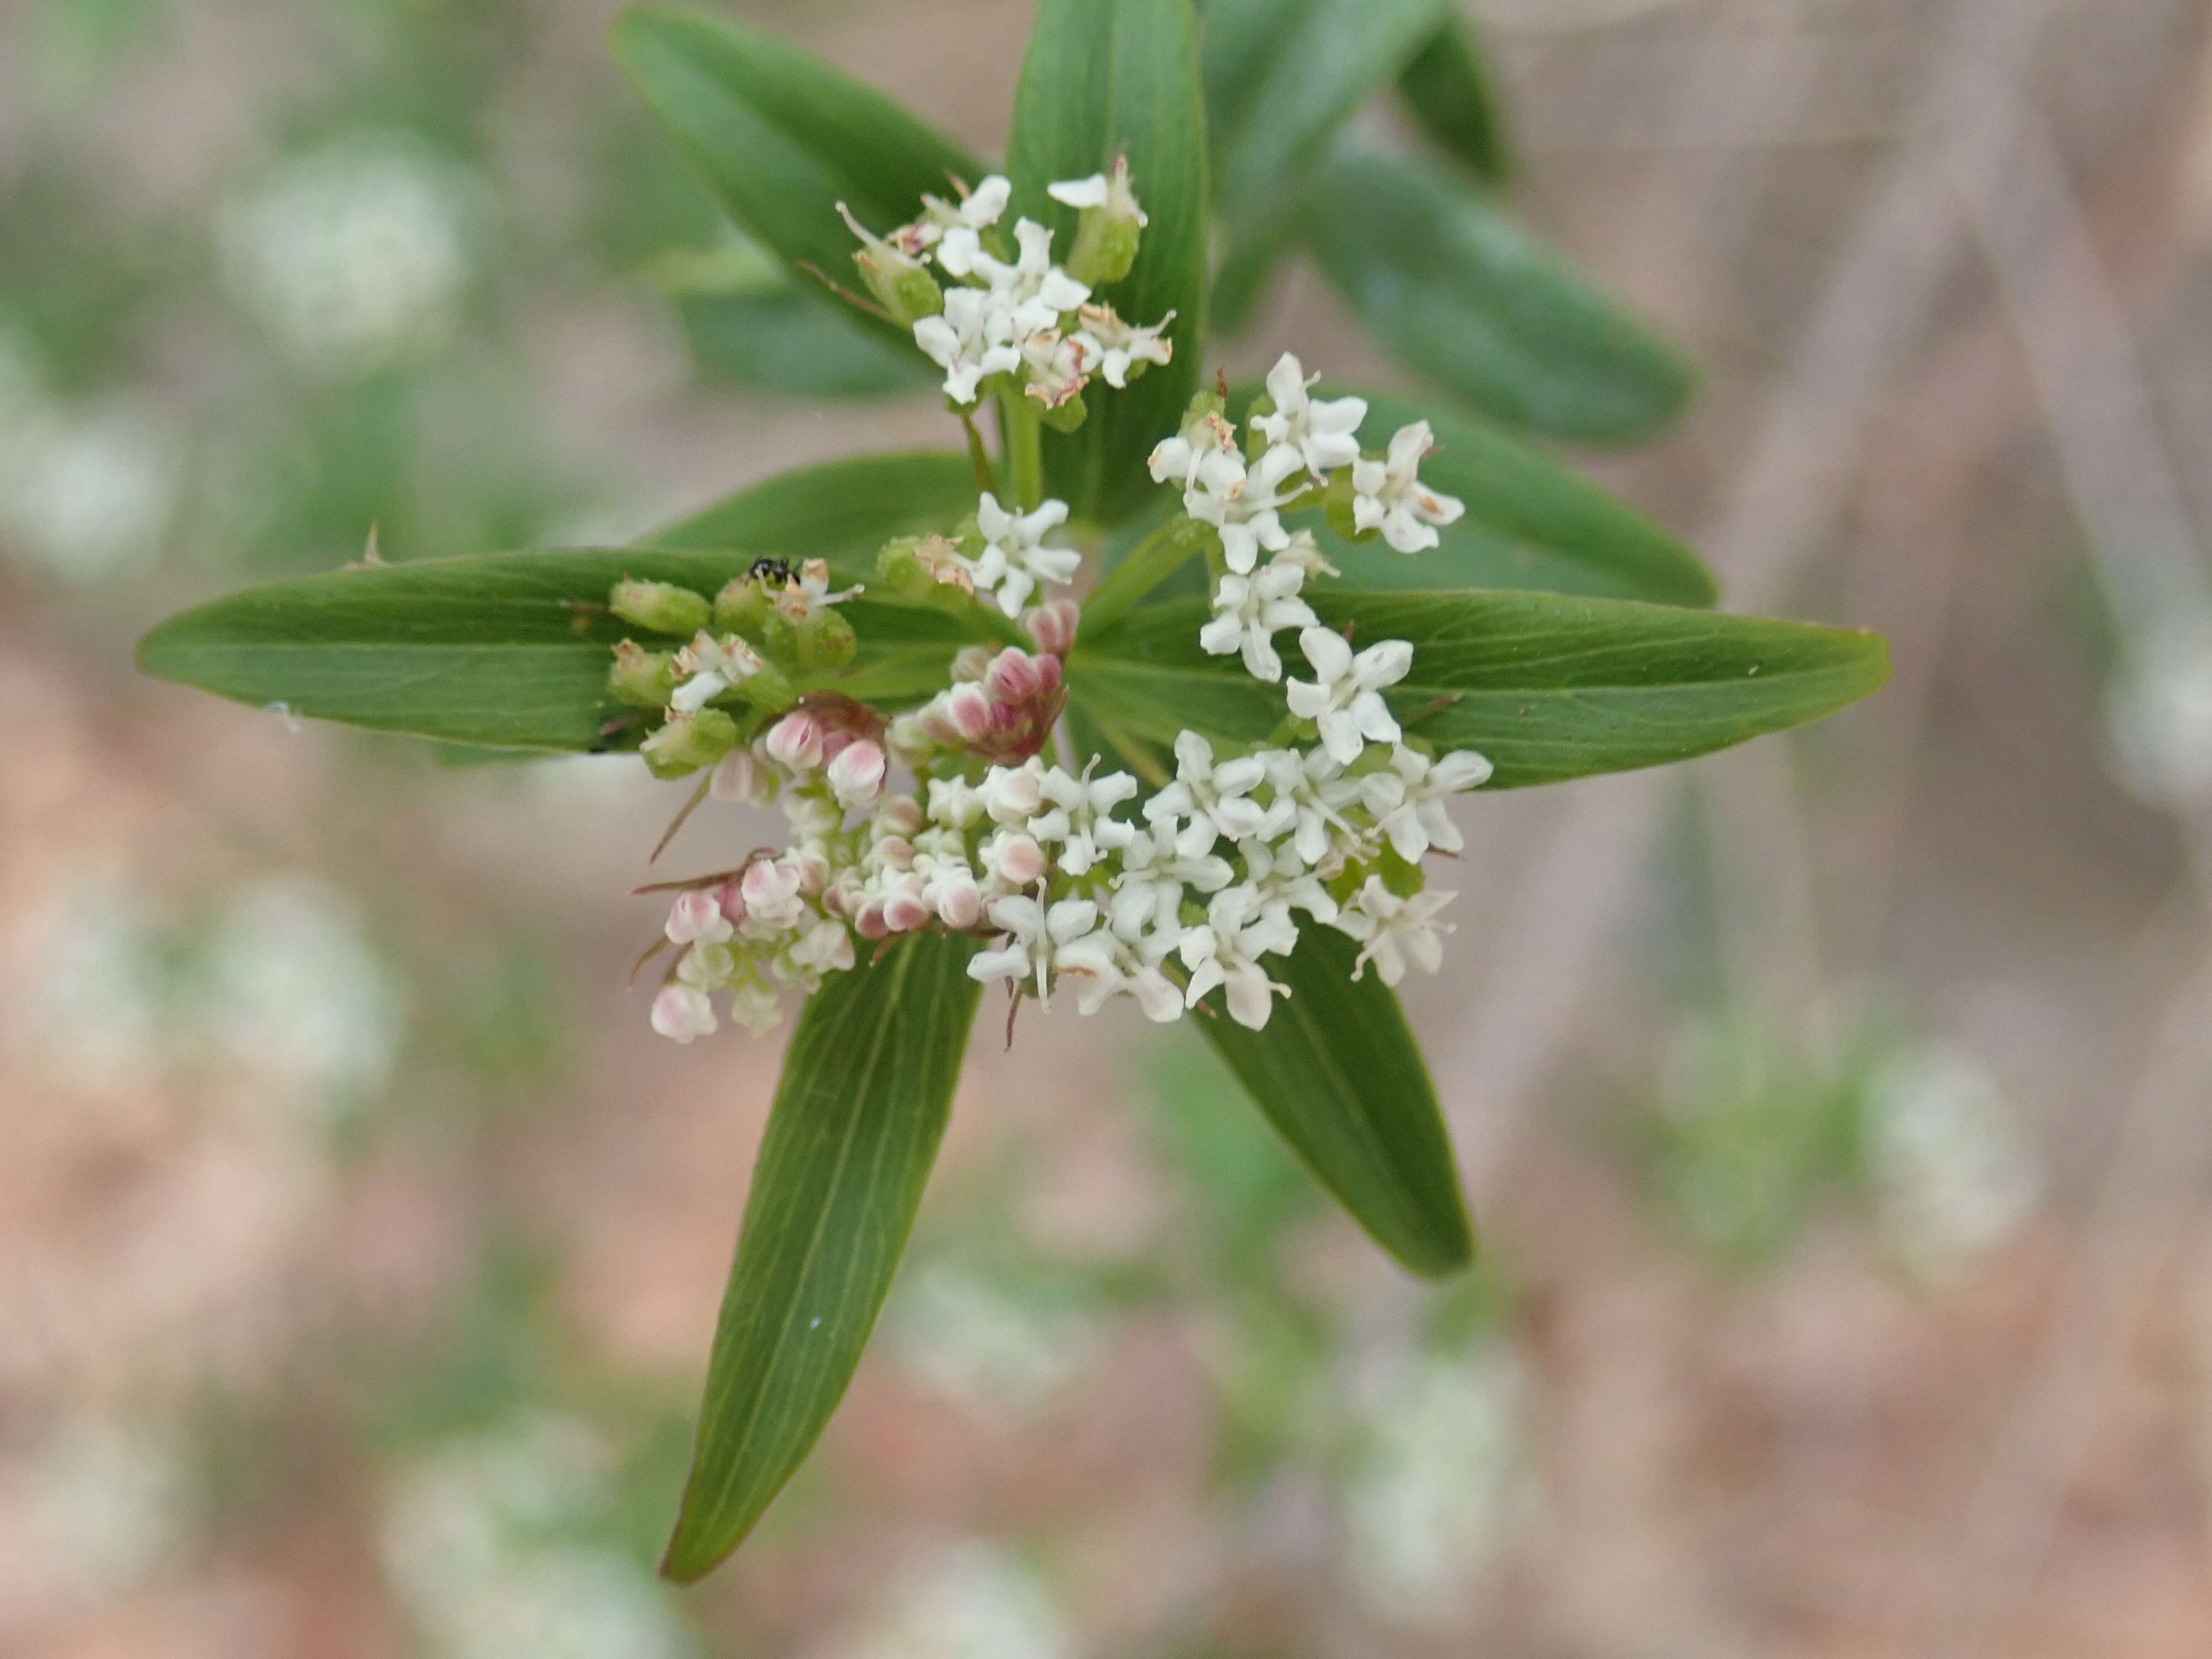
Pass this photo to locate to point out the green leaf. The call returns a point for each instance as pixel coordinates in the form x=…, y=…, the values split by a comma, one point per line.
x=1530, y=522
x=1339, y=1074
x=1103, y=76
x=1297, y=83
x=1453, y=95
x=843, y=511
x=508, y=650
x=782, y=137
x=867, y=1090
x=1549, y=687
x=1469, y=300
x=789, y=340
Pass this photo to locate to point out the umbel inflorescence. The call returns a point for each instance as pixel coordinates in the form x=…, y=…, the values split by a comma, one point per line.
x=1081, y=882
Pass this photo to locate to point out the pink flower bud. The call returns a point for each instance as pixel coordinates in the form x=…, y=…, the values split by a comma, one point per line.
x=768, y=884
x=1053, y=626
x=960, y=904
x=870, y=924
x=970, y=710
x=899, y=816
x=736, y=777
x=731, y=898
x=795, y=741
x=893, y=852
x=697, y=915
x=682, y=1012
x=1014, y=676
x=812, y=862
x=903, y=912
x=1017, y=860
x=934, y=722
x=856, y=776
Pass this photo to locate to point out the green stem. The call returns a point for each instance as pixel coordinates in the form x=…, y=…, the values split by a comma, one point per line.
x=978, y=457
x=1021, y=423
x=1155, y=559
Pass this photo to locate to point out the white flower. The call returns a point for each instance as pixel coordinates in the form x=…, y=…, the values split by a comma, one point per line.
x=740, y=776
x=770, y=888
x=1249, y=611
x=1325, y=434
x=1144, y=906
x=1105, y=965
x=682, y=1013
x=1305, y=553
x=1407, y=800
x=1303, y=798
x=1391, y=929
x=1281, y=878
x=807, y=594
x=1035, y=936
x=955, y=802
x=826, y=945
x=1118, y=346
x=1201, y=455
x=1058, y=364
x=1081, y=817
x=1012, y=794
x=1015, y=559
x=1216, y=798
x=1386, y=494
x=1034, y=292
x=973, y=337
x=955, y=230
x=1226, y=948
x=713, y=666
x=1244, y=511
x=1101, y=189
x=1346, y=696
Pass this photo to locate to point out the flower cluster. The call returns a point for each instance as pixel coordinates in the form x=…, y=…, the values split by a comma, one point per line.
x=1074, y=883
x=1012, y=319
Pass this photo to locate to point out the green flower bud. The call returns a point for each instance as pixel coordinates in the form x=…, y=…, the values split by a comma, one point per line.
x=662, y=607
x=743, y=607
x=1106, y=236
x=812, y=644
x=640, y=676
x=1066, y=416
x=901, y=282
x=925, y=570
x=690, y=742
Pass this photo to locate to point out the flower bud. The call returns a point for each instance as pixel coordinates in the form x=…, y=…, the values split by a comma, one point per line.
x=925, y=570
x=643, y=678
x=795, y=741
x=738, y=777
x=959, y=902
x=1106, y=236
x=869, y=923
x=971, y=662
x=1053, y=626
x=1012, y=794
x=969, y=709
x=731, y=897
x=743, y=607
x=904, y=911
x=856, y=776
x=901, y=282
x=1065, y=414
x=697, y=915
x=1014, y=858
x=682, y=1013
x=689, y=741
x=770, y=888
x=910, y=739
x=899, y=816
x=1014, y=676
x=661, y=606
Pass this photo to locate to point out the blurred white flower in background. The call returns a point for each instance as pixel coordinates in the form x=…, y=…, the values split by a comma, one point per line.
x=84, y=969
x=86, y=493
x=291, y=987
x=990, y=1351
x=1444, y=1474
x=92, y=1507
x=971, y=1601
x=2160, y=709
x=357, y=253
x=1952, y=1176
x=486, y=1543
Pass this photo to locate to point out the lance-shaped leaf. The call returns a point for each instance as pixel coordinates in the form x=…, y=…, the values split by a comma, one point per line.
x=1470, y=301
x=782, y=137
x=1453, y=95
x=1530, y=522
x=504, y=649
x=1103, y=77
x=1339, y=1074
x=1547, y=686
x=843, y=511
x=1281, y=79
x=867, y=1089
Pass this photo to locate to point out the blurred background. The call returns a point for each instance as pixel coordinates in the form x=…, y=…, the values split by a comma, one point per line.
x=1837, y=1111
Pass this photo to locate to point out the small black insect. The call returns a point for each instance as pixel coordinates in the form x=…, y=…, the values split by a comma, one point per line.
x=774, y=571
